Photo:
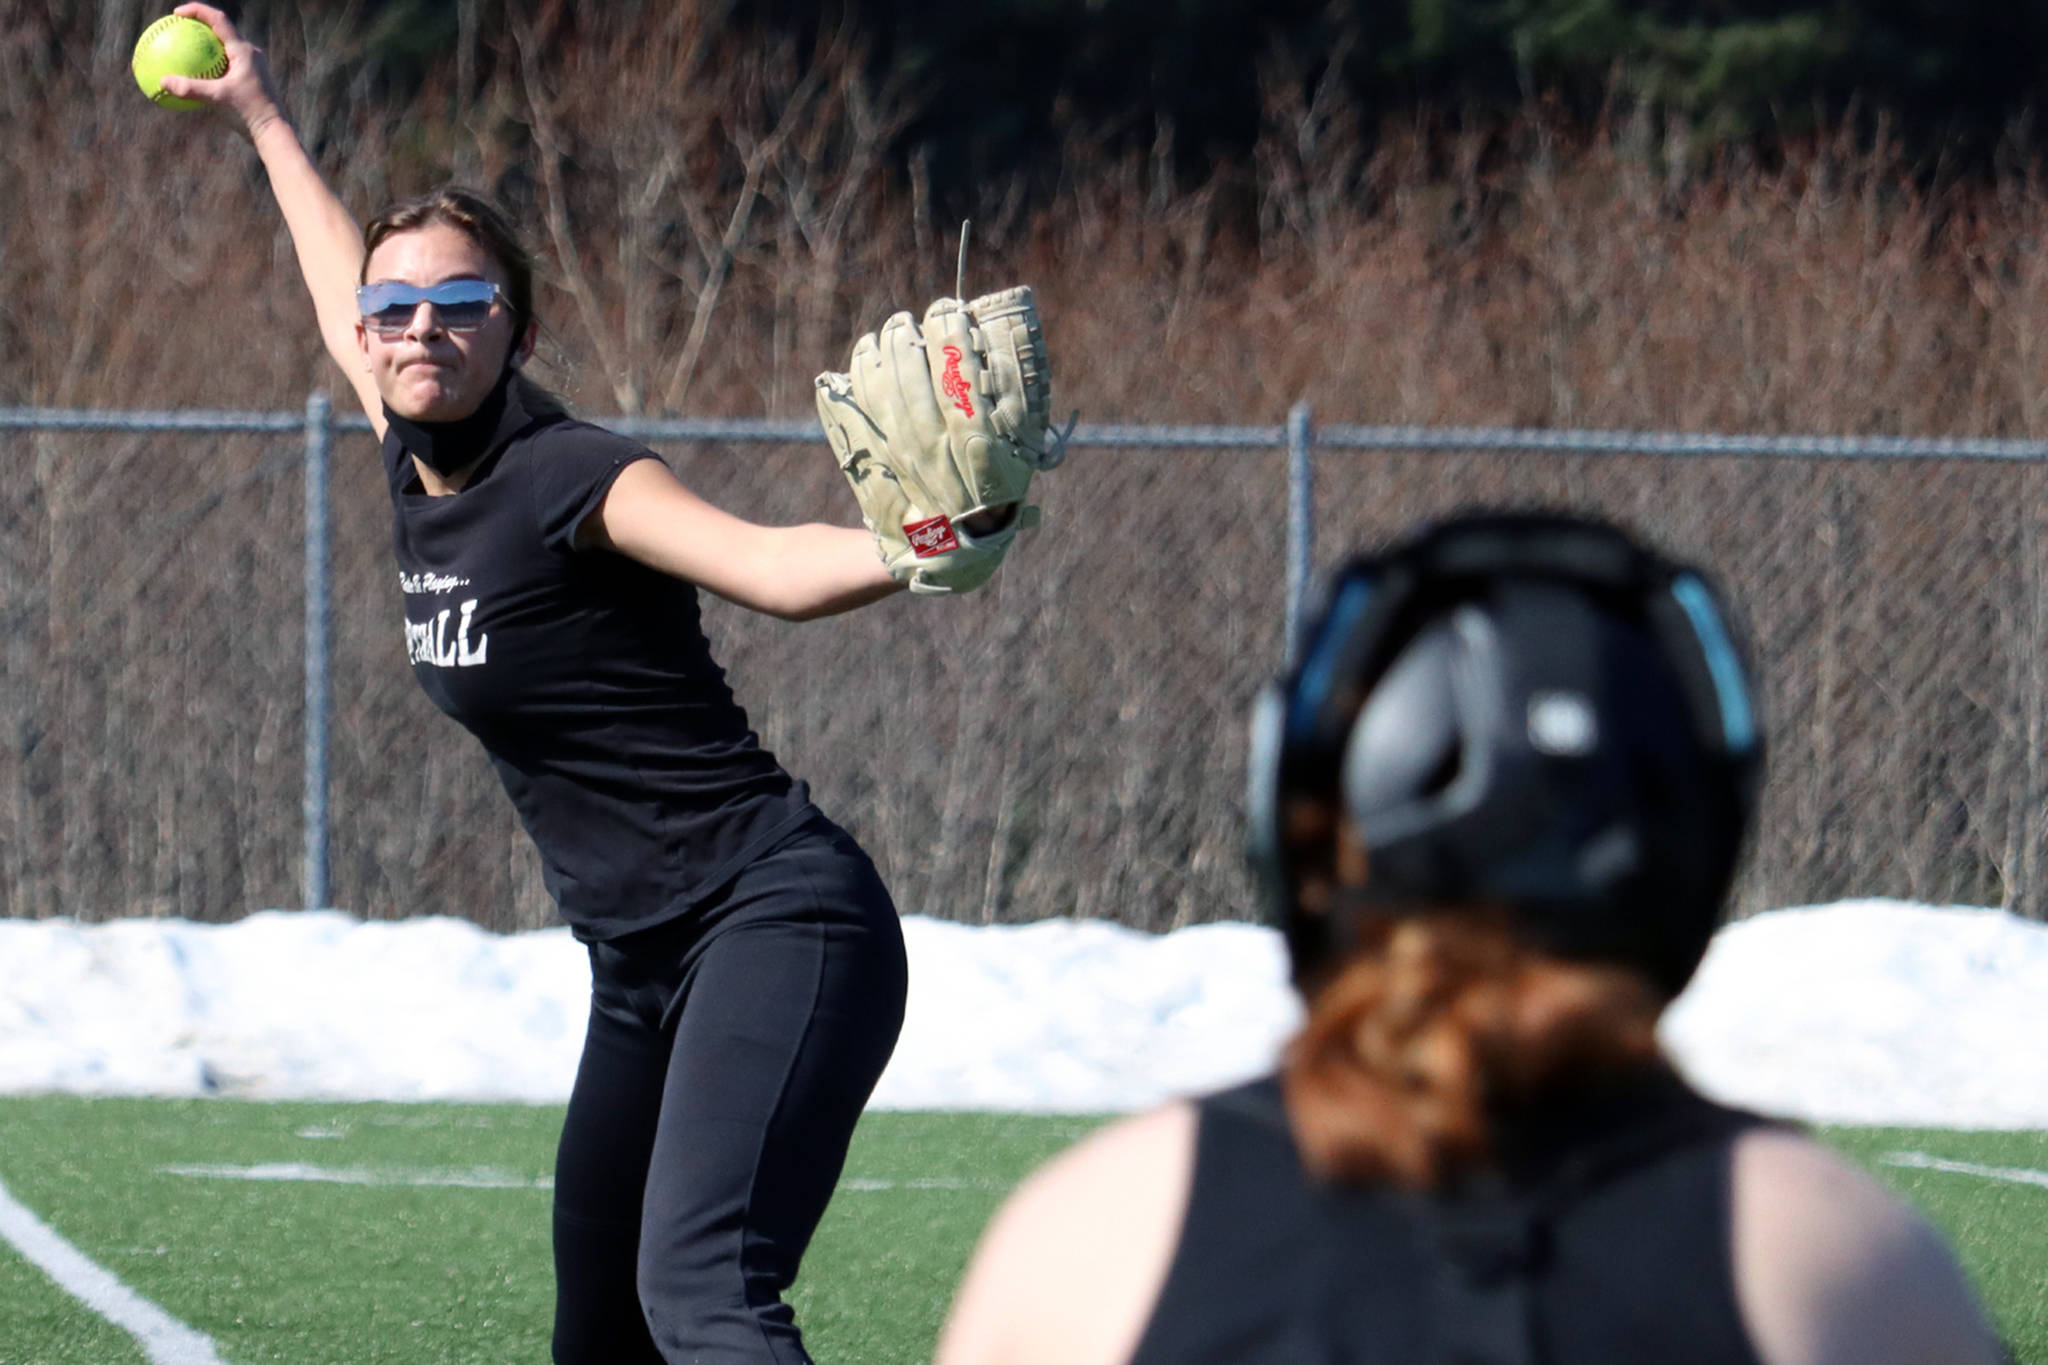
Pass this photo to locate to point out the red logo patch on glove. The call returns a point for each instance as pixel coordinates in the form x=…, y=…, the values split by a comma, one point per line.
x=933, y=536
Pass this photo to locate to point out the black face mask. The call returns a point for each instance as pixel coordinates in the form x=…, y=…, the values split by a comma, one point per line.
x=448, y=446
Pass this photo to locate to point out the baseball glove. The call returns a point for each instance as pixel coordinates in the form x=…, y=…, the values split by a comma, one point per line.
x=939, y=427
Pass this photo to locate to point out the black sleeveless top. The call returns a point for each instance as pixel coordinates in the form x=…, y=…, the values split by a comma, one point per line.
x=586, y=675
x=1608, y=1243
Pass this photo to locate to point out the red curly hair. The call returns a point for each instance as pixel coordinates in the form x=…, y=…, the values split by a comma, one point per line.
x=1435, y=1030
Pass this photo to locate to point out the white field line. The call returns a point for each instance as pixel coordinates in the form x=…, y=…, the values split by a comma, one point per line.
x=476, y=1178
x=164, y=1339
x=485, y=1178
x=2018, y=1175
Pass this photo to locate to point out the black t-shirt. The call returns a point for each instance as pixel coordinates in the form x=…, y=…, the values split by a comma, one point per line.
x=587, y=677
x=1610, y=1243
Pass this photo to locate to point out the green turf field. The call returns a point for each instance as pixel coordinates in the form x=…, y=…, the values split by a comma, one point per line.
x=424, y=1239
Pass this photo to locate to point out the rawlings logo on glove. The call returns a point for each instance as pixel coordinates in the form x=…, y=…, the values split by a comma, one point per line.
x=941, y=478
x=954, y=386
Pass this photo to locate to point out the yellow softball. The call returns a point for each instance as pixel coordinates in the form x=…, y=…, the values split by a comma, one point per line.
x=177, y=46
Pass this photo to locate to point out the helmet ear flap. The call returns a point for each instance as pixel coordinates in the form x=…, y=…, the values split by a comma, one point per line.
x=1262, y=799
x=1268, y=798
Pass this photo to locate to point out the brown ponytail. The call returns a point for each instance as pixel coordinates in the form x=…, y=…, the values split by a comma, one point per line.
x=1435, y=1031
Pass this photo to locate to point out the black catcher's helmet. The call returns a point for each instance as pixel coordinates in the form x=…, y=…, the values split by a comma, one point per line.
x=1530, y=712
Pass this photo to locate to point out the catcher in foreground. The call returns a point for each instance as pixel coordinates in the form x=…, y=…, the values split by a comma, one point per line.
x=939, y=427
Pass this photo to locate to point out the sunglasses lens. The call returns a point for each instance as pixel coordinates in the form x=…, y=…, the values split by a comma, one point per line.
x=389, y=321
x=464, y=316
x=464, y=305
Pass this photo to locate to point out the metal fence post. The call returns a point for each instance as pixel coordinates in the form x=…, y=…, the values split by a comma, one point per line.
x=313, y=807
x=1301, y=517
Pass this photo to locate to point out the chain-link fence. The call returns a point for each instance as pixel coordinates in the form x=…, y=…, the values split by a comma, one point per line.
x=186, y=728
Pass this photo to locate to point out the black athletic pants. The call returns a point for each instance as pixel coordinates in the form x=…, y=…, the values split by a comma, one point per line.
x=728, y=1057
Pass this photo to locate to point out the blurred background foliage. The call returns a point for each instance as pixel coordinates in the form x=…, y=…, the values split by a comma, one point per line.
x=999, y=86
x=1701, y=217
x=1005, y=79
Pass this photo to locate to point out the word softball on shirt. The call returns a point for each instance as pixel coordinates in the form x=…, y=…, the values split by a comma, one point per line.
x=429, y=641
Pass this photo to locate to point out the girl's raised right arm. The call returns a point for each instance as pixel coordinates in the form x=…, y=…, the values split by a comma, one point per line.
x=326, y=237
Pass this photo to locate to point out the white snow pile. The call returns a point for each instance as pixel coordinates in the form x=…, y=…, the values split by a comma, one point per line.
x=1862, y=1012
